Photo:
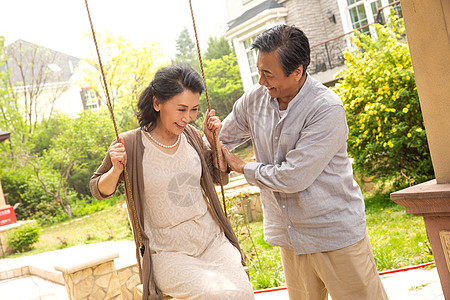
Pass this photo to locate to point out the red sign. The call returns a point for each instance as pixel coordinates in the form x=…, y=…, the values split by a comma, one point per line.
x=7, y=216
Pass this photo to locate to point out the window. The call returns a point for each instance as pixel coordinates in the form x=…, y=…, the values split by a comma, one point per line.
x=363, y=12
x=89, y=98
x=358, y=17
x=375, y=6
x=350, y=2
x=251, y=59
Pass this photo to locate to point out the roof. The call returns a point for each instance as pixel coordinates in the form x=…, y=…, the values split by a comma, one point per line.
x=58, y=66
x=4, y=135
x=254, y=11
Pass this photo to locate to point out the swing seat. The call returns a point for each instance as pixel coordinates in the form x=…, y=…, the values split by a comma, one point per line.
x=138, y=290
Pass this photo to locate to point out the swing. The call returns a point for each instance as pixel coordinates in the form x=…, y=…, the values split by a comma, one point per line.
x=129, y=196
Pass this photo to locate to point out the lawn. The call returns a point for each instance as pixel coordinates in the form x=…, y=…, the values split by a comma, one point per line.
x=398, y=239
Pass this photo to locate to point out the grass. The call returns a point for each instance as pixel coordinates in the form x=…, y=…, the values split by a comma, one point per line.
x=263, y=260
x=398, y=239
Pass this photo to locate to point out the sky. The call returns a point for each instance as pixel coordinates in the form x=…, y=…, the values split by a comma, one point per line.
x=62, y=25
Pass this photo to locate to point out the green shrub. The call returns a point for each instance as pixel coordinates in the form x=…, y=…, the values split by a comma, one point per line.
x=88, y=205
x=387, y=139
x=23, y=238
x=21, y=185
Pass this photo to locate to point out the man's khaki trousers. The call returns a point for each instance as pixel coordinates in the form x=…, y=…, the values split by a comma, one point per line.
x=349, y=273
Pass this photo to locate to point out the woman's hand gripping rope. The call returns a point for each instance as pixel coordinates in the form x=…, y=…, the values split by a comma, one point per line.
x=211, y=127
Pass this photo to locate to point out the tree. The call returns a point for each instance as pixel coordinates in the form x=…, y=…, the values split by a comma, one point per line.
x=33, y=68
x=45, y=132
x=186, y=50
x=71, y=153
x=386, y=133
x=128, y=71
x=224, y=84
x=217, y=48
x=10, y=117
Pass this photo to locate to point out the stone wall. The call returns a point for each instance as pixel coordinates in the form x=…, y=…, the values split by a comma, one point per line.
x=96, y=282
x=128, y=279
x=96, y=277
x=246, y=200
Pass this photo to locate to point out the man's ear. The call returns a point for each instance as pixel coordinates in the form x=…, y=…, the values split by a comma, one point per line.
x=155, y=104
x=298, y=72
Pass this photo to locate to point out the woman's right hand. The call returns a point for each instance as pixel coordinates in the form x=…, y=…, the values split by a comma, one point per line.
x=108, y=182
x=118, y=156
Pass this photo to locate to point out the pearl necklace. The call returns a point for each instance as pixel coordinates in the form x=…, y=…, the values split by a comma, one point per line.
x=160, y=144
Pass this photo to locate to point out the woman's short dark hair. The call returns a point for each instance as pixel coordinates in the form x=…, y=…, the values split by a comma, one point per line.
x=291, y=44
x=168, y=82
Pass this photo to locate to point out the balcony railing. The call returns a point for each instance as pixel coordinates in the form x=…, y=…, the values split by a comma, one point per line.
x=327, y=55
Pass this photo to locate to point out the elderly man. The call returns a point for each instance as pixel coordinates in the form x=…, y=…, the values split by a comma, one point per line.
x=313, y=209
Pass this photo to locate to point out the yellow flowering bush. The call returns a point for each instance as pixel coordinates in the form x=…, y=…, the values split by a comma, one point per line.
x=387, y=139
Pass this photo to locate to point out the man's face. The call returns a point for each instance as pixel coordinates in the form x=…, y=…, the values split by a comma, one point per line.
x=271, y=75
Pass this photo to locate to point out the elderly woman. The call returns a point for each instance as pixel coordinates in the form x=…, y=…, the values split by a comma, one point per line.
x=191, y=249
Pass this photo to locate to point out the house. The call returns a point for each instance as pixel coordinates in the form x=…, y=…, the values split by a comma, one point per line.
x=325, y=23
x=44, y=80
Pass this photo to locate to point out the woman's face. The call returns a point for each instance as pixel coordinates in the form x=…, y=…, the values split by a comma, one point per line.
x=177, y=112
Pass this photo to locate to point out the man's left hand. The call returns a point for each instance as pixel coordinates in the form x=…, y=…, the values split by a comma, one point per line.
x=236, y=164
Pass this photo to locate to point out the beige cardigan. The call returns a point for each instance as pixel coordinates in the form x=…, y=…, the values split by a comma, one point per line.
x=210, y=175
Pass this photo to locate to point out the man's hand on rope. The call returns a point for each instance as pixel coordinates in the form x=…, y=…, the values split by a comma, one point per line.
x=118, y=156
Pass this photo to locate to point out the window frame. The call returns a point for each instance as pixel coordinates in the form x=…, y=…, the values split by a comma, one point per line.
x=249, y=51
x=90, y=98
x=370, y=14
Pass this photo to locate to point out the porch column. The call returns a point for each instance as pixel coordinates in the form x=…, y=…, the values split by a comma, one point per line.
x=428, y=33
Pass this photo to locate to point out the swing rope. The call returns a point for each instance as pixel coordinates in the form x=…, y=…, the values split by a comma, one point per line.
x=215, y=142
x=209, y=108
x=125, y=172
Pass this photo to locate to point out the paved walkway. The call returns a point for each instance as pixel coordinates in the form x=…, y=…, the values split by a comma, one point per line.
x=416, y=284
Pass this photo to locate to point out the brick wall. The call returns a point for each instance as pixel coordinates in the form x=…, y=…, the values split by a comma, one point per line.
x=311, y=17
